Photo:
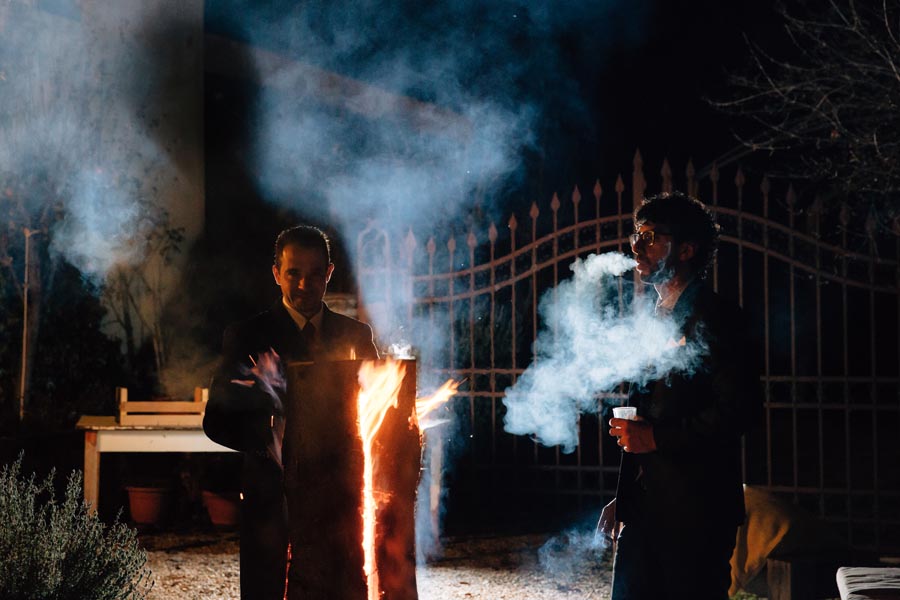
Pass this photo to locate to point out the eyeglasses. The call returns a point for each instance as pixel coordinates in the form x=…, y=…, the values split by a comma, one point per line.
x=648, y=237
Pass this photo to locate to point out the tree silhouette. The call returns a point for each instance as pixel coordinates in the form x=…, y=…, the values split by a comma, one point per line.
x=827, y=101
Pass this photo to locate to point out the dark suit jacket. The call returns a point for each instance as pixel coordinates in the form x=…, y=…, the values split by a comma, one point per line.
x=242, y=418
x=239, y=417
x=698, y=420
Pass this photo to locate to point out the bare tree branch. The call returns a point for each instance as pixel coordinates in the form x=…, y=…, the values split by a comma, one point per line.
x=832, y=104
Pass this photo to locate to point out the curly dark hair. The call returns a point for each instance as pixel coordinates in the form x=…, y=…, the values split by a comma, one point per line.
x=305, y=236
x=688, y=220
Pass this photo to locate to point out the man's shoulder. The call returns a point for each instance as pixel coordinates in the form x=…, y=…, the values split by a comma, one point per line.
x=348, y=336
x=720, y=317
x=344, y=323
x=700, y=297
x=260, y=322
x=718, y=305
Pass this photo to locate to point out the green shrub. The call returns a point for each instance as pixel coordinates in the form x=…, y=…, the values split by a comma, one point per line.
x=61, y=551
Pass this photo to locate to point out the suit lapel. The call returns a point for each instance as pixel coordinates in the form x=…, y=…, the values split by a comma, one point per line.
x=332, y=336
x=327, y=335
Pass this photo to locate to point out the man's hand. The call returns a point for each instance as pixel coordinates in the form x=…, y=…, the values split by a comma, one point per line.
x=634, y=436
x=608, y=526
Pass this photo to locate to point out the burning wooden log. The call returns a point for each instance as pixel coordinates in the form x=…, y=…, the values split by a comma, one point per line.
x=338, y=479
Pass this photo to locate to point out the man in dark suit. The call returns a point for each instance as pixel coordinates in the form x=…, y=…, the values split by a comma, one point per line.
x=242, y=415
x=680, y=494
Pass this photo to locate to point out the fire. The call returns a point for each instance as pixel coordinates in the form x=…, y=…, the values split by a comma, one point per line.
x=379, y=389
x=425, y=405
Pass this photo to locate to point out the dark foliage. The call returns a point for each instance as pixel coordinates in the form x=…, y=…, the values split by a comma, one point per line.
x=76, y=365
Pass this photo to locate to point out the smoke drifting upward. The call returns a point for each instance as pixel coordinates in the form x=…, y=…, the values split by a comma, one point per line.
x=80, y=121
x=97, y=232
x=405, y=116
x=408, y=113
x=590, y=348
x=100, y=112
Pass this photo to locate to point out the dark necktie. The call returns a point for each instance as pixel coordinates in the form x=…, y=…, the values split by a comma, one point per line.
x=309, y=339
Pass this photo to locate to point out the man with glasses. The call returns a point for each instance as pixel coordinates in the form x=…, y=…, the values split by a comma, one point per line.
x=680, y=499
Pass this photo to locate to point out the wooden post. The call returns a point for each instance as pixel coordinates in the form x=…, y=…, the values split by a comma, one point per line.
x=323, y=481
x=91, y=470
x=121, y=399
x=201, y=394
x=434, y=489
x=803, y=578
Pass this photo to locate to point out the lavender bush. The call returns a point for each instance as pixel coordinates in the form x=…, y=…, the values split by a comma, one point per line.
x=59, y=550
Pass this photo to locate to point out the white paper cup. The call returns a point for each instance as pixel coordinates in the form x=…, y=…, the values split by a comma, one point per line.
x=625, y=412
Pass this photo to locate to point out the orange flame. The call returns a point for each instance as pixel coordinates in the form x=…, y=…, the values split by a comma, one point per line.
x=425, y=405
x=379, y=389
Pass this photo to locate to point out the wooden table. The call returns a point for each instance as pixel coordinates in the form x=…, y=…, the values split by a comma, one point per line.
x=104, y=434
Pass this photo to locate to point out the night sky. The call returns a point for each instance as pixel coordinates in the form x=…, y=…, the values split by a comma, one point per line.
x=608, y=77
x=599, y=79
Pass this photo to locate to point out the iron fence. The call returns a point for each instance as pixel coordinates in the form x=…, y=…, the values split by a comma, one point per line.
x=823, y=300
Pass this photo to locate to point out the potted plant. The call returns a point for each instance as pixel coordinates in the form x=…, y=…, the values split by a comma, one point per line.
x=223, y=508
x=150, y=504
x=220, y=495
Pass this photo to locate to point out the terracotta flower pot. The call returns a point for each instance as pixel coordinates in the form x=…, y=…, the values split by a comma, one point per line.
x=224, y=508
x=149, y=505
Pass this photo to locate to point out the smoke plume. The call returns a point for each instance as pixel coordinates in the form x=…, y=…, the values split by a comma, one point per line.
x=79, y=105
x=99, y=111
x=590, y=345
x=410, y=115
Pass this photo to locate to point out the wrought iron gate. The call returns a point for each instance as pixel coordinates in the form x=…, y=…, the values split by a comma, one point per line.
x=824, y=301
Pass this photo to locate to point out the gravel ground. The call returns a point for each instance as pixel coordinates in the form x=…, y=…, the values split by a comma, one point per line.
x=191, y=566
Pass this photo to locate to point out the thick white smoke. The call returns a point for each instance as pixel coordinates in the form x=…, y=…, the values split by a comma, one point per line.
x=403, y=178
x=76, y=134
x=97, y=232
x=409, y=114
x=100, y=153
x=590, y=346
